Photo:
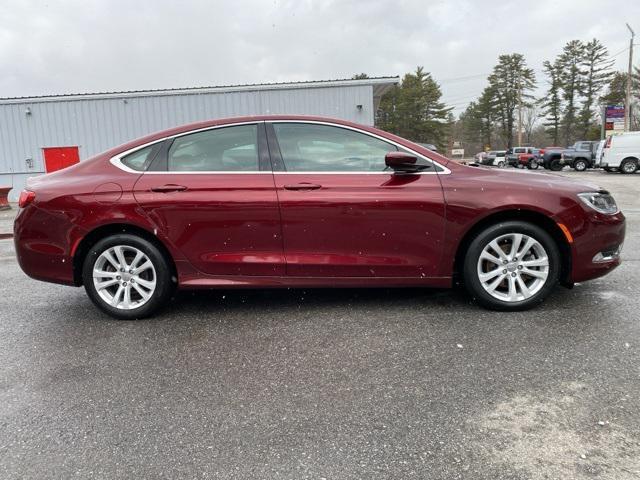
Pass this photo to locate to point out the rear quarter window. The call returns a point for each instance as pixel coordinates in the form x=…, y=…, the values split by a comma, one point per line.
x=140, y=159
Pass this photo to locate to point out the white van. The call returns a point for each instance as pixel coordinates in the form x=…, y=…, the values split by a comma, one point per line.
x=622, y=152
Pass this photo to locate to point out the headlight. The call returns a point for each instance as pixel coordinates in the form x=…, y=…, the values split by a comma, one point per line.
x=600, y=202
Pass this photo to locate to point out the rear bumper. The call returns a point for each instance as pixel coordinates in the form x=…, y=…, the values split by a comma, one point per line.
x=42, y=242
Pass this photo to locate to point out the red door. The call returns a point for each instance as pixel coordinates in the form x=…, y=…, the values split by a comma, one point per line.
x=57, y=158
x=343, y=215
x=215, y=199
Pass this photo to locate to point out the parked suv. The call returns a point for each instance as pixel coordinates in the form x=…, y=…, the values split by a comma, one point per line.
x=495, y=157
x=514, y=154
x=580, y=156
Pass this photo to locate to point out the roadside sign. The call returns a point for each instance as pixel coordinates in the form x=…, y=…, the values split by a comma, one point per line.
x=458, y=151
x=614, y=113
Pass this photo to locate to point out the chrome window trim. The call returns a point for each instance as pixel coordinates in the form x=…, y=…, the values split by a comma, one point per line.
x=116, y=160
x=445, y=170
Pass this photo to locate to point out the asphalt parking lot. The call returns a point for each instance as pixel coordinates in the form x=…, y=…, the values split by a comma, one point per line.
x=334, y=384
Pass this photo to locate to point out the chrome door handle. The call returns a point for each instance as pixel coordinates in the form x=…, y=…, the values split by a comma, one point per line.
x=169, y=188
x=303, y=186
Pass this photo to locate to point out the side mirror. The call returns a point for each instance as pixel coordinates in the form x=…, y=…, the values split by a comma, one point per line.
x=402, y=162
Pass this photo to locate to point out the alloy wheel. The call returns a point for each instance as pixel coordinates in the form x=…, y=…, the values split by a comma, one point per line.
x=513, y=267
x=124, y=277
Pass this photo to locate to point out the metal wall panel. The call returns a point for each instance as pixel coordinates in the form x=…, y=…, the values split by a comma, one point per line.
x=95, y=125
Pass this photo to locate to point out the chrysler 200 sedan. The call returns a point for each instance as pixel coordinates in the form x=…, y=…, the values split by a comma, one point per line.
x=284, y=201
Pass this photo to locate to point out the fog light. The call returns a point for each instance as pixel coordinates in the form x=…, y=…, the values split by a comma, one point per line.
x=607, y=255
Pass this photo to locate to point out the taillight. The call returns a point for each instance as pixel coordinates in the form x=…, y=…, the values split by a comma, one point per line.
x=26, y=197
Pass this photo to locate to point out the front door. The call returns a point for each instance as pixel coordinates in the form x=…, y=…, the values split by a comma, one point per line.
x=213, y=196
x=344, y=214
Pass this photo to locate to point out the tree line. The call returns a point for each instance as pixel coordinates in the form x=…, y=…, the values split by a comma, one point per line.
x=576, y=83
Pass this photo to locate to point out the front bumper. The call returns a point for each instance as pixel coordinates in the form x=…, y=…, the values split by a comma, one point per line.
x=597, y=245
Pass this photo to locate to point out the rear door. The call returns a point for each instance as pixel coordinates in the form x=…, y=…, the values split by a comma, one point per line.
x=212, y=194
x=344, y=214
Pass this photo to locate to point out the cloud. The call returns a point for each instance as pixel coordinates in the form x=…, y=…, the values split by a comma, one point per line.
x=72, y=46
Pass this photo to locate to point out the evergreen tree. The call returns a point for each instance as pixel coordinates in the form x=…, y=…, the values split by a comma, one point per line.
x=478, y=120
x=510, y=83
x=597, y=74
x=413, y=110
x=552, y=102
x=572, y=76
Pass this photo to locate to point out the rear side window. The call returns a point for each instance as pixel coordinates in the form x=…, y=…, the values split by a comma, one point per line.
x=140, y=159
x=227, y=149
x=325, y=148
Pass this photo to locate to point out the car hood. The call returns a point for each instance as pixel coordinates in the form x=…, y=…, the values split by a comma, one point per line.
x=532, y=180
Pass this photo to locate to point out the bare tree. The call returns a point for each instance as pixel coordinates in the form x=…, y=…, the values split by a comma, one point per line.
x=530, y=116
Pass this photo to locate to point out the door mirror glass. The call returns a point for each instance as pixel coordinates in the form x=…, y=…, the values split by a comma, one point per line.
x=402, y=162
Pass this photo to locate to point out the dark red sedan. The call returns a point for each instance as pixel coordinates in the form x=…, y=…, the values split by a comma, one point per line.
x=285, y=201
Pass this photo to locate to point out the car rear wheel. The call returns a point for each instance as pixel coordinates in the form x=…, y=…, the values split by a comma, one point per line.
x=127, y=277
x=579, y=165
x=511, y=266
x=500, y=164
x=629, y=165
x=533, y=164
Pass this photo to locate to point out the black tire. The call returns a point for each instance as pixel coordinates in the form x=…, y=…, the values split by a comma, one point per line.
x=470, y=271
x=163, y=286
x=629, y=165
x=533, y=164
x=580, y=165
x=555, y=165
x=500, y=164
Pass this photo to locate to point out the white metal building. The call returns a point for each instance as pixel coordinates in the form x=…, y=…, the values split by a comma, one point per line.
x=92, y=123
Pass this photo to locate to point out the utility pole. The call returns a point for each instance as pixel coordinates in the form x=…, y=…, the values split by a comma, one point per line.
x=627, y=104
x=519, y=112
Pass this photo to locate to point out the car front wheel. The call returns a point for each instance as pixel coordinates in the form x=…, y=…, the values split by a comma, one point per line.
x=511, y=266
x=127, y=276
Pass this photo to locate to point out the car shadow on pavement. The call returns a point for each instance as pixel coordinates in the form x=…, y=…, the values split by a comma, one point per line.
x=294, y=298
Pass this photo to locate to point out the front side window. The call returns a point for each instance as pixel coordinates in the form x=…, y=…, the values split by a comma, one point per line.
x=324, y=148
x=226, y=149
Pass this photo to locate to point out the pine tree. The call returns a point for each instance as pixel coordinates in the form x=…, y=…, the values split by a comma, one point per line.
x=413, y=110
x=510, y=83
x=552, y=102
x=597, y=74
x=478, y=120
x=572, y=77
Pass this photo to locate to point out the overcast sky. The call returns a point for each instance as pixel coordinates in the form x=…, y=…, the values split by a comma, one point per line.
x=72, y=46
